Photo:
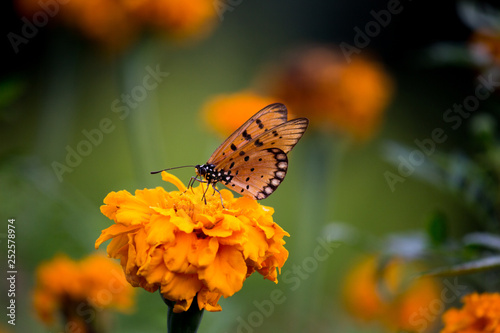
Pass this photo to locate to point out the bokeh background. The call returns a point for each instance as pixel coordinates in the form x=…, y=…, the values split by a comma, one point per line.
x=61, y=83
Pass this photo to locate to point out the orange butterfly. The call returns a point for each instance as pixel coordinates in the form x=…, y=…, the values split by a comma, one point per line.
x=253, y=160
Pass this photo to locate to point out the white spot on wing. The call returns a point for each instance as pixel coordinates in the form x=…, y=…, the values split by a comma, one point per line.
x=275, y=182
x=282, y=165
x=281, y=157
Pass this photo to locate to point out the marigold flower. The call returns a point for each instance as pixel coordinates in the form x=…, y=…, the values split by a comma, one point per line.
x=225, y=113
x=107, y=22
x=176, y=242
x=321, y=84
x=480, y=313
x=372, y=293
x=485, y=47
x=63, y=285
x=4, y=330
x=177, y=18
x=116, y=23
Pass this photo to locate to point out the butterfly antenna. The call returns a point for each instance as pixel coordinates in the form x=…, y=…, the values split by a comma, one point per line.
x=179, y=167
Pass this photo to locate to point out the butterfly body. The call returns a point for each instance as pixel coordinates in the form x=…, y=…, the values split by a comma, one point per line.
x=253, y=160
x=211, y=175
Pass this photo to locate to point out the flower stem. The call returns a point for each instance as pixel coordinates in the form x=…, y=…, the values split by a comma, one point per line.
x=76, y=321
x=183, y=322
x=322, y=163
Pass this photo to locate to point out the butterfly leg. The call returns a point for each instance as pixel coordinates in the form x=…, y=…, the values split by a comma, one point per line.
x=191, y=183
x=216, y=190
x=193, y=179
x=204, y=194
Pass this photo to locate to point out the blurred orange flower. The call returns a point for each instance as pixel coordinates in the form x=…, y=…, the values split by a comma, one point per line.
x=4, y=330
x=116, y=23
x=318, y=83
x=176, y=242
x=64, y=286
x=226, y=113
x=180, y=19
x=480, y=313
x=485, y=47
x=384, y=293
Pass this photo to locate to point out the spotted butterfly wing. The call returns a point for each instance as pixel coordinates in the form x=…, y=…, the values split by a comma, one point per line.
x=270, y=116
x=253, y=160
x=261, y=165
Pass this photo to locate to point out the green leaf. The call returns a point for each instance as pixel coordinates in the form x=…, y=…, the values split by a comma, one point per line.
x=468, y=267
x=437, y=229
x=10, y=90
x=483, y=239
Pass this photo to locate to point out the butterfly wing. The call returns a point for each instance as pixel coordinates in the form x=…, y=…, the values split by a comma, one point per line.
x=261, y=177
x=257, y=168
x=269, y=117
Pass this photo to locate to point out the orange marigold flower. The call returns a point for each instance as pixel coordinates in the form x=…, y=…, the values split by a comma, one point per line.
x=63, y=285
x=107, y=22
x=176, y=242
x=177, y=17
x=480, y=313
x=116, y=23
x=384, y=293
x=485, y=47
x=4, y=330
x=225, y=113
x=319, y=83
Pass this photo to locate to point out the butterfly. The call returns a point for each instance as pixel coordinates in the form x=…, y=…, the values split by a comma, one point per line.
x=253, y=160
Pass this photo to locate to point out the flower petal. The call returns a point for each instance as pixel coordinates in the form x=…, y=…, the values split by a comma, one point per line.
x=256, y=246
x=204, y=252
x=160, y=230
x=227, y=273
x=175, y=256
x=114, y=231
x=181, y=287
x=209, y=300
x=224, y=228
x=173, y=180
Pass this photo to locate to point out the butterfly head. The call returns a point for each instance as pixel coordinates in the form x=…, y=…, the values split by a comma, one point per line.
x=206, y=171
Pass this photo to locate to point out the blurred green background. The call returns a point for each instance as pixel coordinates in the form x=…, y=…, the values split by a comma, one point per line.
x=59, y=85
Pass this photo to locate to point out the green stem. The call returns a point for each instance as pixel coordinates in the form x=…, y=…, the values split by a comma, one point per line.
x=183, y=322
x=141, y=112
x=322, y=162
x=71, y=317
